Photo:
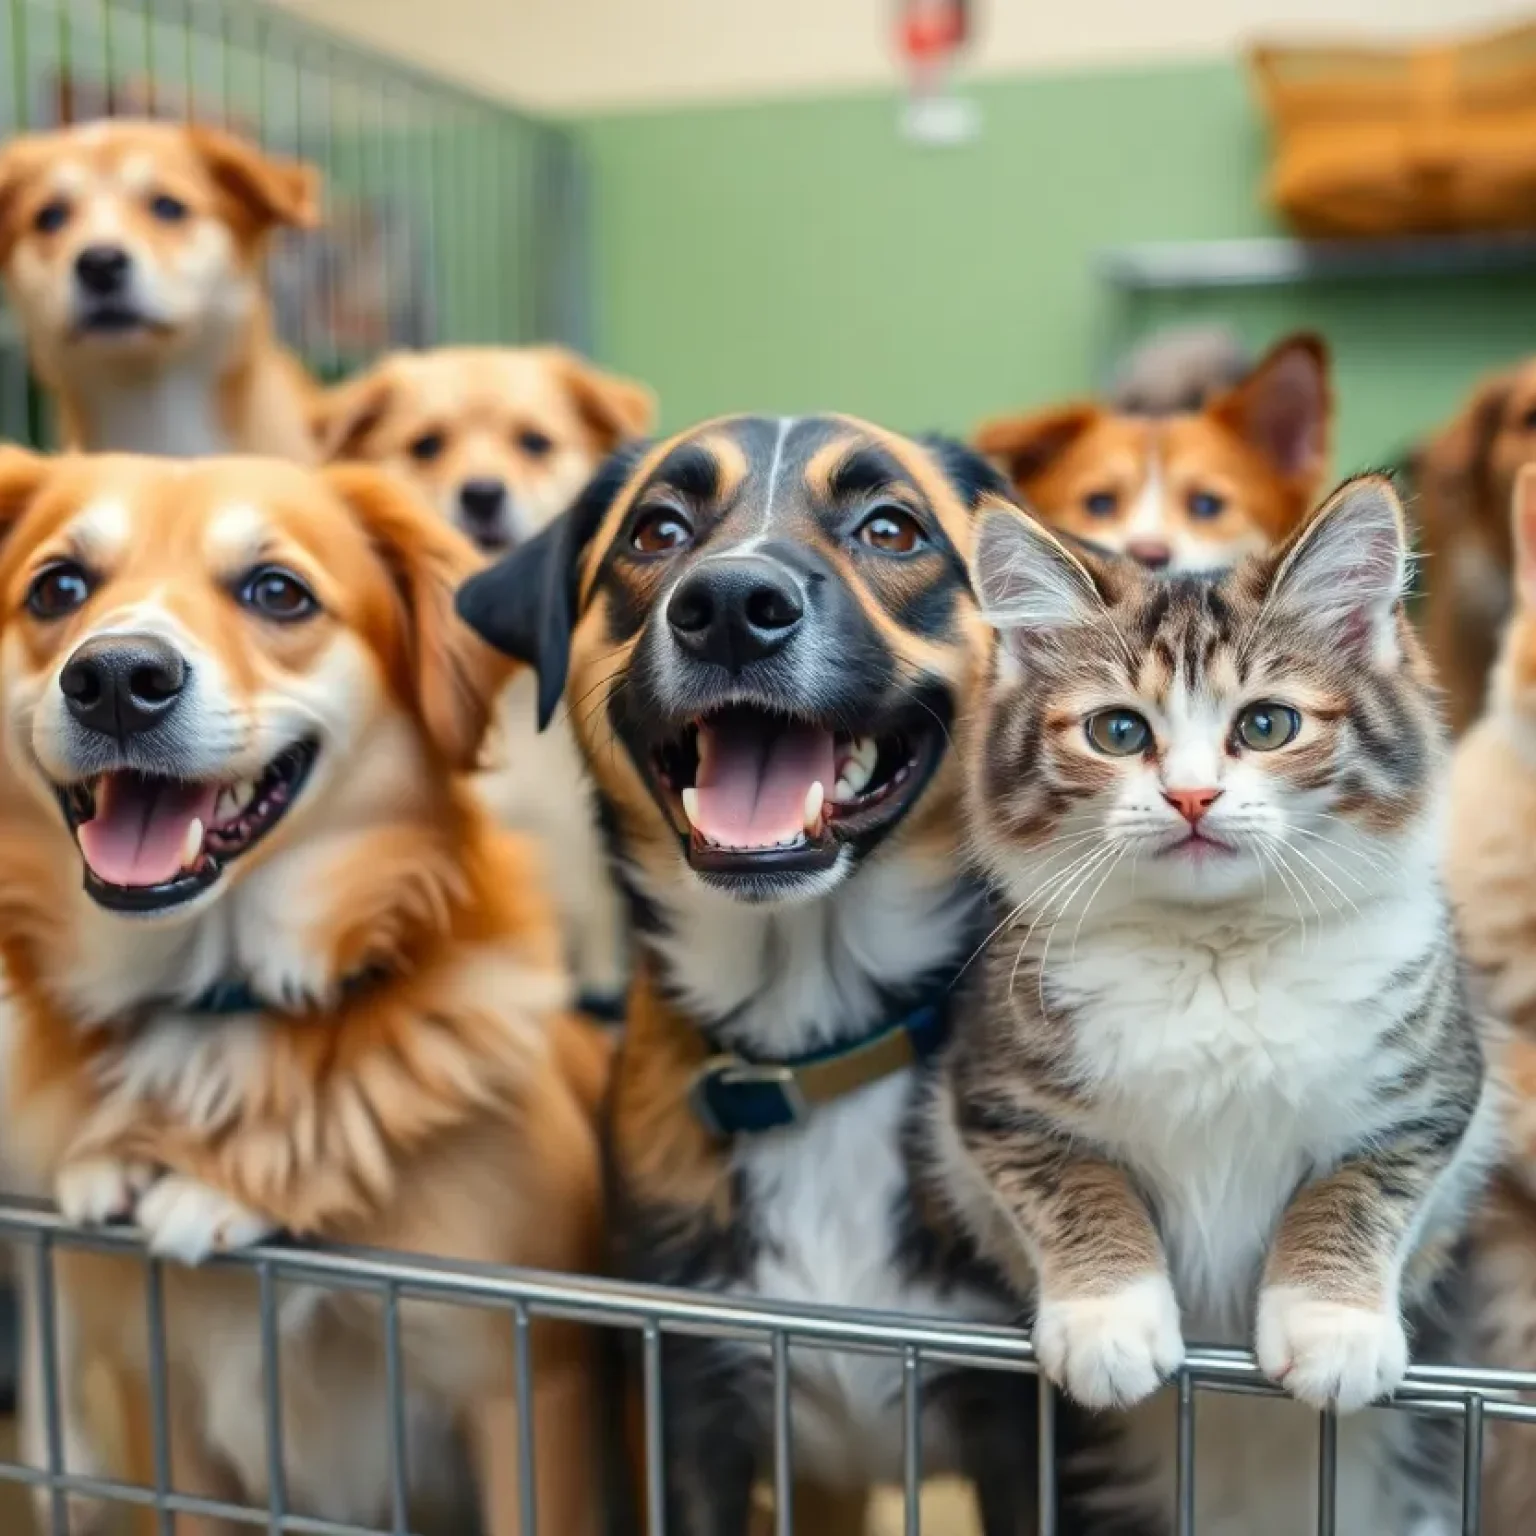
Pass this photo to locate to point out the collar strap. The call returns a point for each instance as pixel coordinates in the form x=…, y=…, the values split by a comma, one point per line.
x=235, y=994
x=732, y=1096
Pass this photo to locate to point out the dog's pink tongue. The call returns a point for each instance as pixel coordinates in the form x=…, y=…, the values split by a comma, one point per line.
x=138, y=835
x=753, y=778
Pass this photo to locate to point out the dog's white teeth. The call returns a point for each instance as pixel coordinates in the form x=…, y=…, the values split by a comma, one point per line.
x=192, y=844
x=791, y=840
x=691, y=808
x=233, y=800
x=815, y=797
x=858, y=768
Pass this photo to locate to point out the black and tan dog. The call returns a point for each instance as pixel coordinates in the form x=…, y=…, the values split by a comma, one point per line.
x=763, y=629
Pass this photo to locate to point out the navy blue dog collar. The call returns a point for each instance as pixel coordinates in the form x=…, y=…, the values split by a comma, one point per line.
x=732, y=1096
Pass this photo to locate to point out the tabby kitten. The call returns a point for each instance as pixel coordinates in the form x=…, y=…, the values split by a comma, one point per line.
x=1223, y=1083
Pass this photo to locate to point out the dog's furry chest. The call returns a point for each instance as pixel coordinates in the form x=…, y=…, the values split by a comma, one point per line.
x=826, y=1207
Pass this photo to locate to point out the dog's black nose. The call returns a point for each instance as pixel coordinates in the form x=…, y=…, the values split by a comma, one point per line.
x=122, y=684
x=734, y=610
x=102, y=269
x=482, y=501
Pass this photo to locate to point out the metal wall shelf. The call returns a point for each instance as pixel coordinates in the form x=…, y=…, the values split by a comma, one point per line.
x=1191, y=266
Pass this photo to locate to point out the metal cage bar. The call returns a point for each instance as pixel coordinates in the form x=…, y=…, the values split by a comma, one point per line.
x=449, y=216
x=1473, y=1396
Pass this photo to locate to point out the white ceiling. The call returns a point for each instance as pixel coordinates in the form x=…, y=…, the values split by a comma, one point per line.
x=580, y=55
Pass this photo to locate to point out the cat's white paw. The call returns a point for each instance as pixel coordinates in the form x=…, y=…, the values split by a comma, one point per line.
x=1111, y=1351
x=184, y=1219
x=92, y=1191
x=1326, y=1353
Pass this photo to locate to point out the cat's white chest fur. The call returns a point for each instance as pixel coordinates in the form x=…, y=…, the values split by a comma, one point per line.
x=1229, y=1063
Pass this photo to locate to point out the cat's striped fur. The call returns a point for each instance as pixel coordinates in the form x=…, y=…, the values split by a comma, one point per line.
x=1224, y=1082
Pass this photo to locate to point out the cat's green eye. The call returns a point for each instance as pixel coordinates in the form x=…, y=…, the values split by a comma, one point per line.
x=1118, y=732
x=1264, y=727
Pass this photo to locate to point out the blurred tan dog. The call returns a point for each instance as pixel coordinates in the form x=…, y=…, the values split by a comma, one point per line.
x=132, y=252
x=1465, y=476
x=501, y=440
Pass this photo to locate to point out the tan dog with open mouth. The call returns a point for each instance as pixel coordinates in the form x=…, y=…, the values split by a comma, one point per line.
x=272, y=967
x=132, y=253
x=501, y=440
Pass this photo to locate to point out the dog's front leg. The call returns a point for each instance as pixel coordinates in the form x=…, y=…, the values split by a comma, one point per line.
x=712, y=1435
x=567, y=1487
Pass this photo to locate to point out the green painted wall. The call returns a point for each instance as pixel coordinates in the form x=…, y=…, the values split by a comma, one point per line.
x=801, y=255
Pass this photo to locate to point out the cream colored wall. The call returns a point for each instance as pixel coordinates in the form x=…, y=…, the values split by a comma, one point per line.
x=580, y=55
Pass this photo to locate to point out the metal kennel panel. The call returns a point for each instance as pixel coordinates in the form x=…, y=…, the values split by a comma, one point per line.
x=1470, y=1397
x=448, y=217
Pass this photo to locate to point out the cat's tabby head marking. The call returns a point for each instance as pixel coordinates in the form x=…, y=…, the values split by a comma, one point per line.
x=1197, y=739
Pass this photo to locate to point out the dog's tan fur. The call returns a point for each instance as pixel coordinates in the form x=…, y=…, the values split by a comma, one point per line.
x=204, y=373
x=1465, y=476
x=539, y=421
x=444, y=1108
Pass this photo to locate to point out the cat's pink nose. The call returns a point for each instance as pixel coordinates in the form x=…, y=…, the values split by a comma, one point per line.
x=1192, y=804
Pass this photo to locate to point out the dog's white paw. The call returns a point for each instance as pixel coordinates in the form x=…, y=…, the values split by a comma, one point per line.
x=184, y=1219
x=92, y=1191
x=1111, y=1351
x=1326, y=1353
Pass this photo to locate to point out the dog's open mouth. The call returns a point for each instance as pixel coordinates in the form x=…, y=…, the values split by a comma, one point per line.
x=117, y=320
x=762, y=793
x=149, y=843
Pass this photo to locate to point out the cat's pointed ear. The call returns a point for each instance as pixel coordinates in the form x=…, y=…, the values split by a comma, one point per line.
x=1346, y=571
x=1025, y=579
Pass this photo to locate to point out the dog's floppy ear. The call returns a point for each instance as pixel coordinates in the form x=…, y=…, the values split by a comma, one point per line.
x=453, y=677
x=272, y=190
x=342, y=417
x=1026, y=446
x=22, y=474
x=1455, y=462
x=18, y=159
x=617, y=411
x=525, y=604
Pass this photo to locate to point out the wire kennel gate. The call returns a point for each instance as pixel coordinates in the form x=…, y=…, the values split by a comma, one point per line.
x=448, y=217
x=38, y=1233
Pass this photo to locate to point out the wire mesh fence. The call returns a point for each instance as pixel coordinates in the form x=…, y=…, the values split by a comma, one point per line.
x=448, y=217
x=648, y=1315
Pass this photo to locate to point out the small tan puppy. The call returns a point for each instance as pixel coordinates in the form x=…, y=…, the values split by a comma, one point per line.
x=502, y=440
x=132, y=253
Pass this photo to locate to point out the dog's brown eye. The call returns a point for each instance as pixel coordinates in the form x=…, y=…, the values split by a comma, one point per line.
x=278, y=594
x=1100, y=503
x=168, y=209
x=58, y=589
x=535, y=443
x=660, y=531
x=427, y=447
x=51, y=217
x=891, y=531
